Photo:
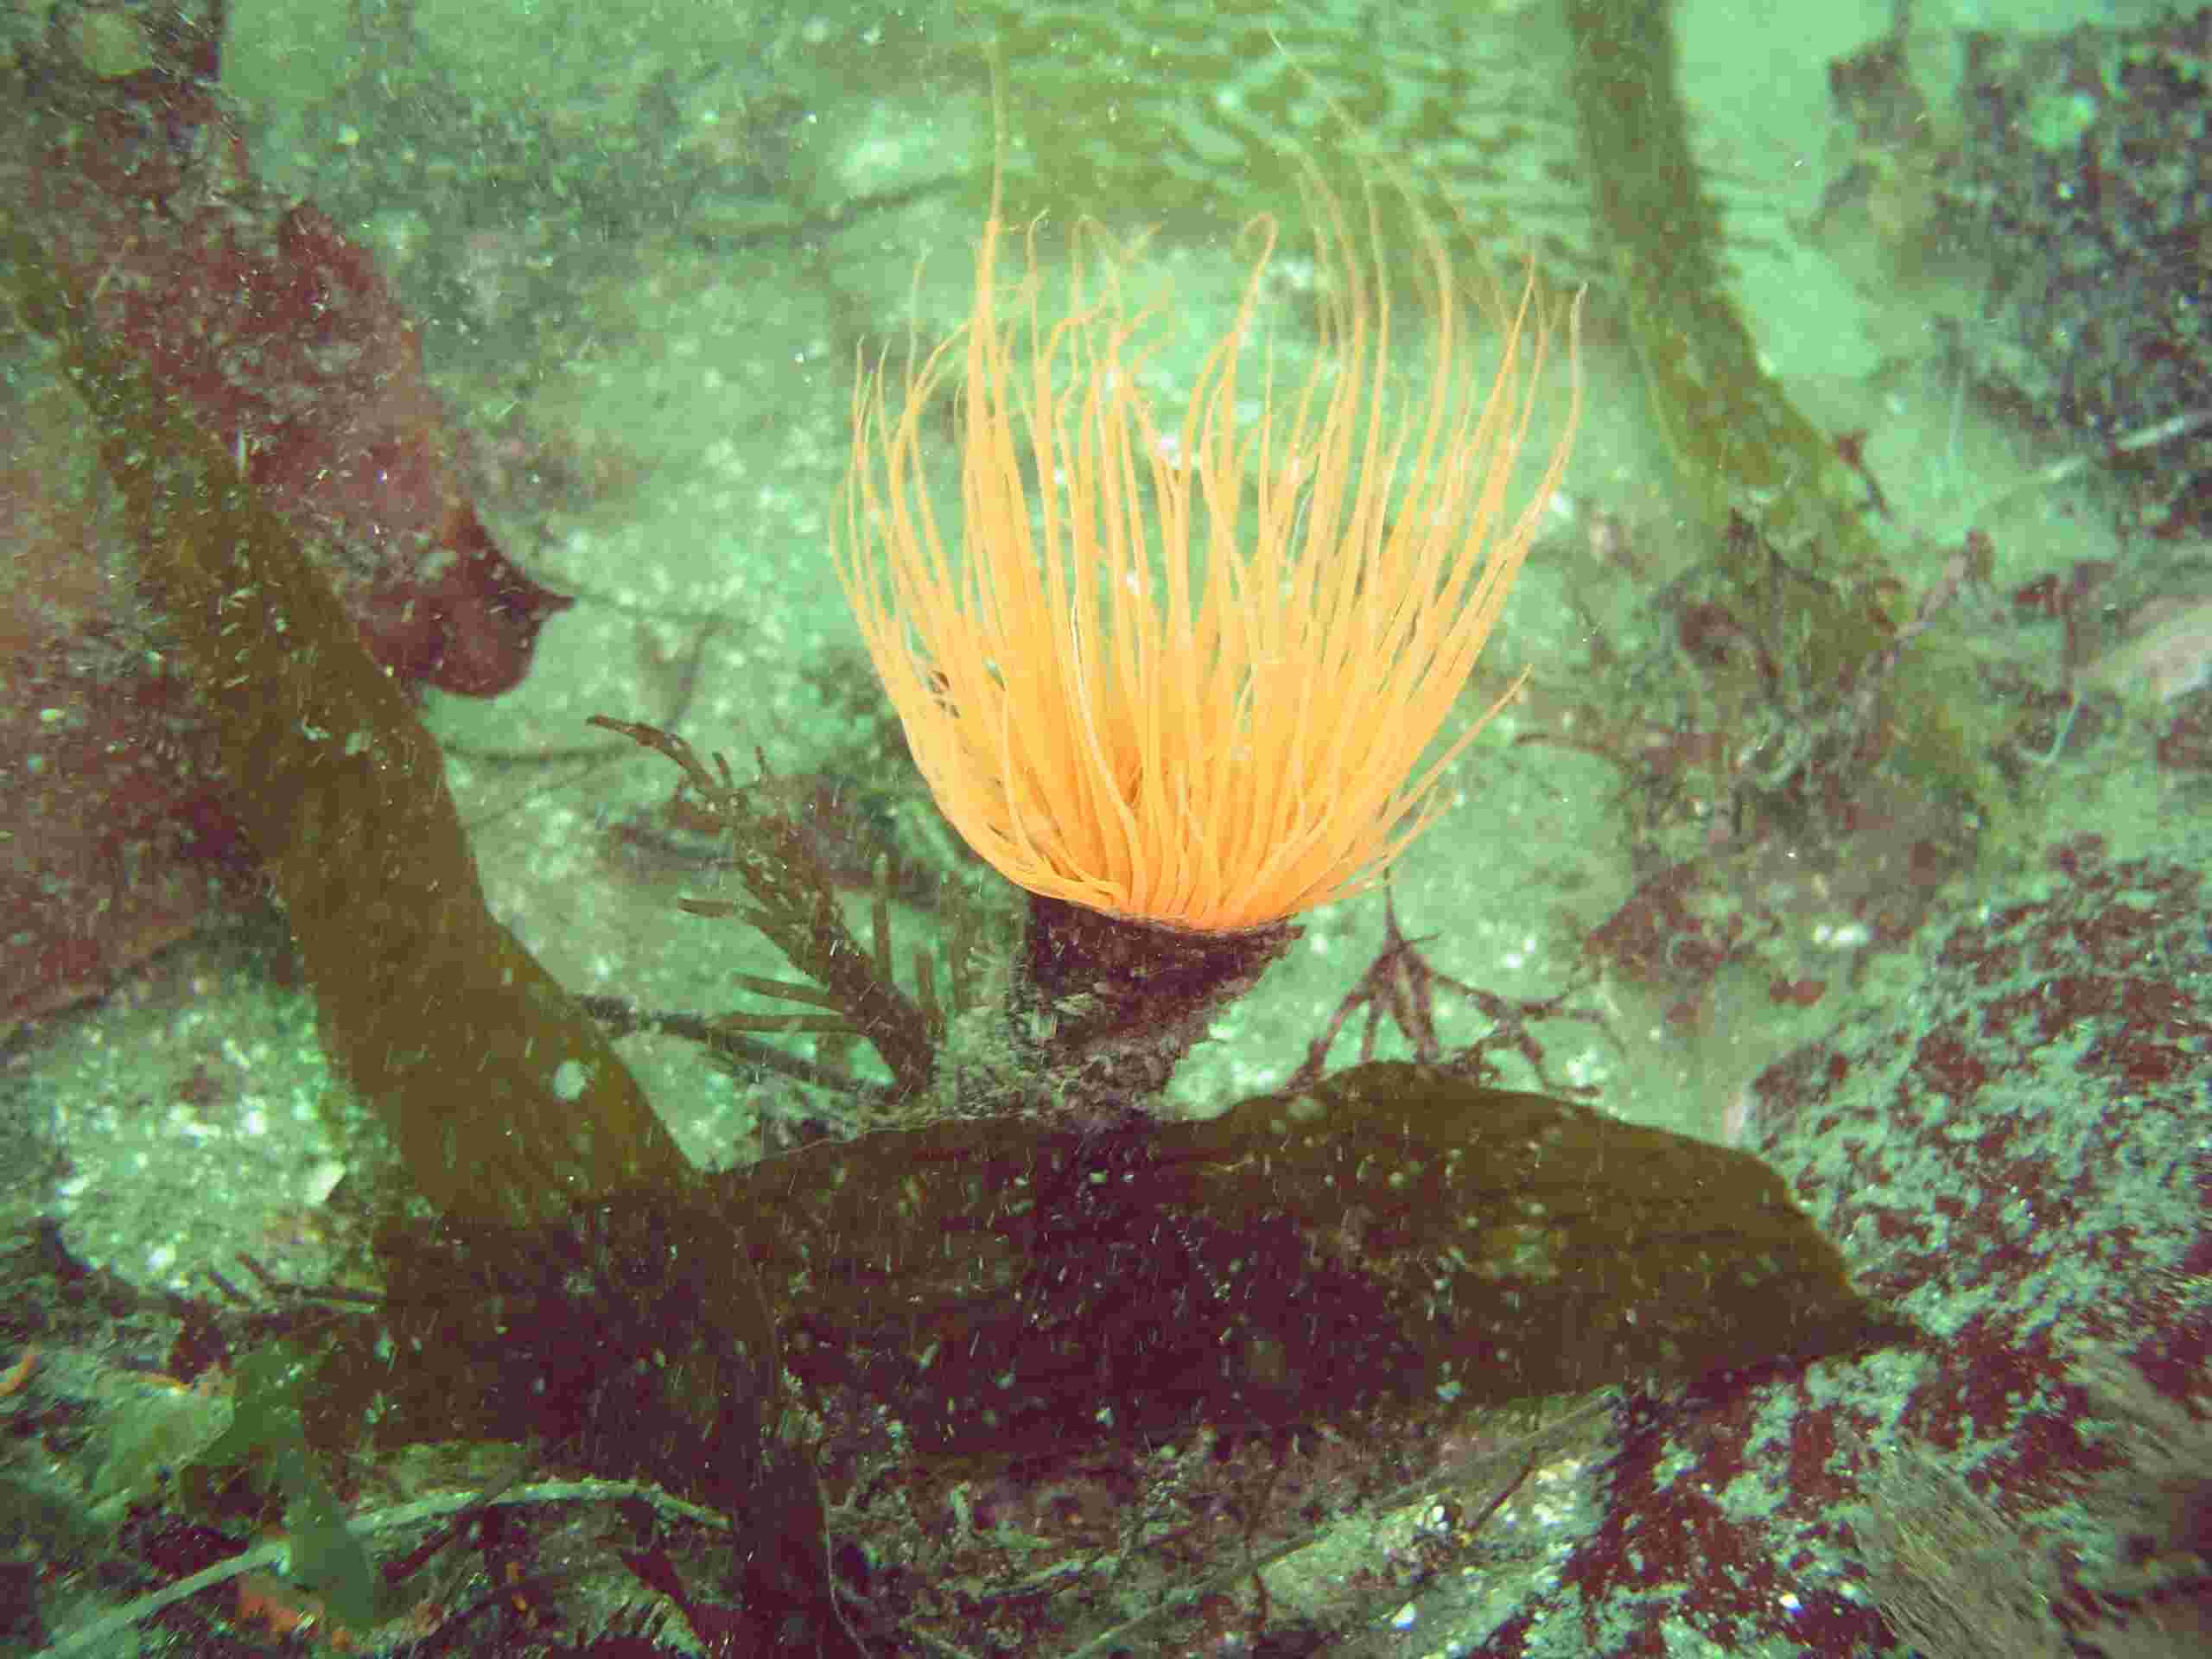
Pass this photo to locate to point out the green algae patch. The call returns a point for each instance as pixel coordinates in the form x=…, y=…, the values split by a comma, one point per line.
x=265, y=1447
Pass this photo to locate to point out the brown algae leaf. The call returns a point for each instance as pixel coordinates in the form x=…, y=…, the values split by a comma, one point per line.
x=1394, y=1238
x=502, y=1095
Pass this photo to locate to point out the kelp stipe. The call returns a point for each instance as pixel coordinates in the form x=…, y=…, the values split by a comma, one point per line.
x=504, y=1098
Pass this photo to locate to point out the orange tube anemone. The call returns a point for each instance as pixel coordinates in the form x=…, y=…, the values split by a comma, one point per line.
x=1186, y=675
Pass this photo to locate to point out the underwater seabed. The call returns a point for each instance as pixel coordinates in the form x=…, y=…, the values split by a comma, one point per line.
x=1859, y=841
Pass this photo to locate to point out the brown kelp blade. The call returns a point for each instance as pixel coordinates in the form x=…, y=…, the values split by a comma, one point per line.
x=504, y=1099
